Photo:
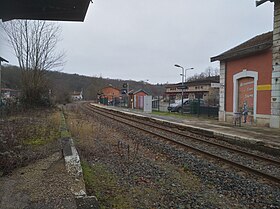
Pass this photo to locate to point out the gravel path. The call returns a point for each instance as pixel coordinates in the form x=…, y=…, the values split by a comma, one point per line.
x=44, y=184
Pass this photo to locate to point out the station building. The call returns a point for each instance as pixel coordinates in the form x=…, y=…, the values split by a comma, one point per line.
x=136, y=99
x=250, y=73
x=196, y=89
x=246, y=72
x=109, y=94
x=247, y=75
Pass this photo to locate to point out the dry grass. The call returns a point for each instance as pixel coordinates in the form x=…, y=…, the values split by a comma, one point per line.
x=27, y=137
x=109, y=158
x=104, y=185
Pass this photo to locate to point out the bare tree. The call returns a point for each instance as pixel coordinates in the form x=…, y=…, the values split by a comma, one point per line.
x=210, y=71
x=34, y=43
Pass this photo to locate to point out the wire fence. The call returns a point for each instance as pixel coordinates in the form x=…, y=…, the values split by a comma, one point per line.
x=9, y=107
x=195, y=107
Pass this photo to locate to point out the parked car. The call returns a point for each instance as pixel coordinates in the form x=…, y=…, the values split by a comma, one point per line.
x=177, y=105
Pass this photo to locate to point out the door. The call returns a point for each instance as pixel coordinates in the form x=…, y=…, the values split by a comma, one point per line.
x=246, y=93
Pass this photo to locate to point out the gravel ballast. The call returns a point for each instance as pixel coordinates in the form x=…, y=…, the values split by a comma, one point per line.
x=152, y=174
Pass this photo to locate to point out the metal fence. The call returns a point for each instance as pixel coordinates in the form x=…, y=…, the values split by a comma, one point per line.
x=194, y=107
x=135, y=102
x=9, y=107
x=205, y=110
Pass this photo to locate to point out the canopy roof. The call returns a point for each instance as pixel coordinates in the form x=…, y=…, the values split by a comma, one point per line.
x=259, y=2
x=2, y=59
x=65, y=10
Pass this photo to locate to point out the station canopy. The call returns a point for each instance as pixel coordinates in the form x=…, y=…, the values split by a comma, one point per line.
x=58, y=10
x=260, y=2
x=2, y=60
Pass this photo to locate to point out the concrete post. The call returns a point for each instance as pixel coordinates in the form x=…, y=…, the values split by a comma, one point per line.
x=275, y=84
x=222, y=111
x=0, y=85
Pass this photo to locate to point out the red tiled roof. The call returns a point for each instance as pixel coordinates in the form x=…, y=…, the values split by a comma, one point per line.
x=132, y=92
x=110, y=87
x=252, y=46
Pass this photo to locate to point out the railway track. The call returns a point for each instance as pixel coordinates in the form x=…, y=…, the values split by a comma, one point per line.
x=262, y=166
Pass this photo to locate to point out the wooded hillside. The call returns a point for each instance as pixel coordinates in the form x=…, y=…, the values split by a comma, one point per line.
x=63, y=84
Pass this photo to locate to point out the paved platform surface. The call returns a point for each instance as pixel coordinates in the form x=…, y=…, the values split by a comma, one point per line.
x=263, y=136
x=43, y=184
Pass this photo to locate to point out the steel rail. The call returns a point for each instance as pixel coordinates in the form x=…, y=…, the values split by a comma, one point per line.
x=232, y=163
x=276, y=162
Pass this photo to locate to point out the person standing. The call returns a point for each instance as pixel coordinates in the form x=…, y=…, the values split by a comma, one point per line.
x=245, y=112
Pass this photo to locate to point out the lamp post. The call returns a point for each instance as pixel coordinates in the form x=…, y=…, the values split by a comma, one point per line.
x=186, y=73
x=183, y=76
x=181, y=86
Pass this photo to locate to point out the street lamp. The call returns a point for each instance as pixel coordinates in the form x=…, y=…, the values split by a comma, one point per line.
x=186, y=73
x=182, y=85
x=183, y=76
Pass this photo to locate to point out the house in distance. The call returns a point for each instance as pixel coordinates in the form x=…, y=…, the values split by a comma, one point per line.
x=196, y=89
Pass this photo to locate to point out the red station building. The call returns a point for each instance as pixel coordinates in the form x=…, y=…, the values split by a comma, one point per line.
x=246, y=72
x=250, y=73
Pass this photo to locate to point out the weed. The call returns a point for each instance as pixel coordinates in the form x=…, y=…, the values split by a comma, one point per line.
x=103, y=184
x=185, y=168
x=27, y=137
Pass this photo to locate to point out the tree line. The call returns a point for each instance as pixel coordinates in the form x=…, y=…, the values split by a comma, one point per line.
x=60, y=85
x=34, y=44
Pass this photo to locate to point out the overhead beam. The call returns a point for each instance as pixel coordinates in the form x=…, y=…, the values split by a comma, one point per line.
x=260, y=2
x=2, y=59
x=64, y=10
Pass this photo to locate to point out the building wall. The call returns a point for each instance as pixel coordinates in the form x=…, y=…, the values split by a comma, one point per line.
x=259, y=64
x=110, y=92
x=138, y=100
x=204, y=91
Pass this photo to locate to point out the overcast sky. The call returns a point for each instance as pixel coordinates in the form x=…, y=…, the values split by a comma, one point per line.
x=143, y=39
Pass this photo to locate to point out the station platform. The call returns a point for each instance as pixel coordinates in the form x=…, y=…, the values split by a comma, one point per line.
x=268, y=139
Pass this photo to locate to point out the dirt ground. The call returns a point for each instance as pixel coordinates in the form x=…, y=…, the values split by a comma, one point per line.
x=32, y=171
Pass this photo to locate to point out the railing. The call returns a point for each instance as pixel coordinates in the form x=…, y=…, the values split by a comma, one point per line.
x=196, y=109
